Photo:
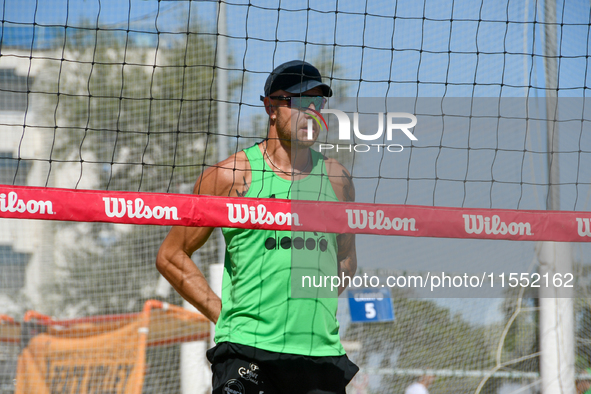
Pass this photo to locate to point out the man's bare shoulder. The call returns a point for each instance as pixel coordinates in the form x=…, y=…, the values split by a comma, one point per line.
x=340, y=179
x=230, y=177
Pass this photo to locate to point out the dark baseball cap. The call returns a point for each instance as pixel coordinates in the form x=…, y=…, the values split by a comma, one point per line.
x=295, y=77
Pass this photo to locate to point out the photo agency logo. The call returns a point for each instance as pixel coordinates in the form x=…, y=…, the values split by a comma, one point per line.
x=370, y=141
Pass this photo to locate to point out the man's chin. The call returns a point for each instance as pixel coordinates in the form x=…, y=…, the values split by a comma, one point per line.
x=306, y=143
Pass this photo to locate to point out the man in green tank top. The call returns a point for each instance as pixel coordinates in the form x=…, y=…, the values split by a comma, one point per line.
x=268, y=340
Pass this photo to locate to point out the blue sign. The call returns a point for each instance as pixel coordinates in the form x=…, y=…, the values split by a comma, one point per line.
x=371, y=305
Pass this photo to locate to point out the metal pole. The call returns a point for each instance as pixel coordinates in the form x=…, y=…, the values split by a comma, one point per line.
x=221, y=73
x=196, y=374
x=195, y=369
x=221, y=67
x=557, y=346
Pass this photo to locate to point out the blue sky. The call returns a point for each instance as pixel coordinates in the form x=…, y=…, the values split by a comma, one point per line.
x=364, y=41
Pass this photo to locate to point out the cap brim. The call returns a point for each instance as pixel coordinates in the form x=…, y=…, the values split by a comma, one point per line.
x=310, y=84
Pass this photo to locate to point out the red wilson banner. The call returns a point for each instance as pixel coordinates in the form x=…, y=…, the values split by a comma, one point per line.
x=22, y=202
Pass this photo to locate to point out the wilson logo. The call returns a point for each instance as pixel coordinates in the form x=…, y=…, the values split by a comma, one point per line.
x=360, y=218
x=584, y=227
x=12, y=203
x=119, y=207
x=475, y=224
x=242, y=213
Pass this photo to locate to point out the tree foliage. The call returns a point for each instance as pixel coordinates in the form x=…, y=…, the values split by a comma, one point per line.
x=522, y=338
x=127, y=116
x=424, y=336
x=142, y=115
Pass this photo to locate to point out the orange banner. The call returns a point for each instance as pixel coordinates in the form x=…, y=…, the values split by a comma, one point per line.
x=112, y=362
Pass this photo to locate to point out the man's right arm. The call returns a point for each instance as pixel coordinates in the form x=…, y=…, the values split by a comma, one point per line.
x=174, y=256
x=175, y=264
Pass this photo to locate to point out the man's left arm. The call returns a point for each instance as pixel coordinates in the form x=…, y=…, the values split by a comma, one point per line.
x=342, y=184
x=347, y=257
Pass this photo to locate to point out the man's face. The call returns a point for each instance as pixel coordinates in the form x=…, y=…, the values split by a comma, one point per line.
x=292, y=123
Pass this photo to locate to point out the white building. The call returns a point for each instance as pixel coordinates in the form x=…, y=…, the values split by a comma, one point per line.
x=26, y=253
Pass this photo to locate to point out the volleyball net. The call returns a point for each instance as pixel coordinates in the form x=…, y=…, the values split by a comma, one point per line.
x=464, y=127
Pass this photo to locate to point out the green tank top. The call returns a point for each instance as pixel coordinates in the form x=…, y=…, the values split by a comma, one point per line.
x=258, y=306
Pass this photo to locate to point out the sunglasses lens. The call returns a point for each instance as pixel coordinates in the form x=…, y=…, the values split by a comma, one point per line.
x=319, y=102
x=305, y=102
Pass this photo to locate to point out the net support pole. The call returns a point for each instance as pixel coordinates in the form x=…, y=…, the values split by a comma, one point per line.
x=194, y=379
x=216, y=270
x=557, y=345
x=222, y=108
x=221, y=69
x=556, y=321
x=195, y=370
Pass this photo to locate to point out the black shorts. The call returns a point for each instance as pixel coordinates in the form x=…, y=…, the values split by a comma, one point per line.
x=240, y=369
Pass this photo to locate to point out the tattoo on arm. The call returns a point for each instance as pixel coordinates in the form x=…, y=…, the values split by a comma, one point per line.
x=346, y=254
x=244, y=189
x=348, y=188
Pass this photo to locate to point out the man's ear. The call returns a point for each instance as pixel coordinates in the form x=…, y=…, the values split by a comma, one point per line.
x=268, y=107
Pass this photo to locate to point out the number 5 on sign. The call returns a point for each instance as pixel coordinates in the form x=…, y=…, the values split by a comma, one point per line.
x=370, y=305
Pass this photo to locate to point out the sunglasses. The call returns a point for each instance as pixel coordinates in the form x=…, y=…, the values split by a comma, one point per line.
x=302, y=102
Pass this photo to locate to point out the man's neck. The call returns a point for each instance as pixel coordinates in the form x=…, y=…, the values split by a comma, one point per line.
x=286, y=158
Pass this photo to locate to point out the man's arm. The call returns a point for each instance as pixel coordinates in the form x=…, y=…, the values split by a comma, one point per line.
x=347, y=257
x=175, y=264
x=174, y=256
x=342, y=184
